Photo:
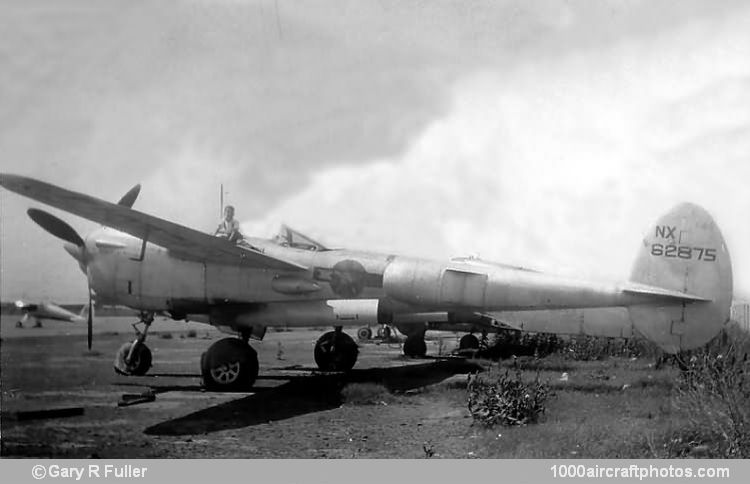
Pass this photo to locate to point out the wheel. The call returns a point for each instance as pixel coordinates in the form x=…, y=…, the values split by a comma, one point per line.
x=364, y=333
x=415, y=347
x=229, y=365
x=384, y=332
x=140, y=362
x=335, y=352
x=468, y=342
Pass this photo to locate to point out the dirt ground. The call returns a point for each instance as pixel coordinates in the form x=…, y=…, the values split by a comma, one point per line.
x=388, y=407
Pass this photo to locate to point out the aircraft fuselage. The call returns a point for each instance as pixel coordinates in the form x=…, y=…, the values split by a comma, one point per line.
x=340, y=287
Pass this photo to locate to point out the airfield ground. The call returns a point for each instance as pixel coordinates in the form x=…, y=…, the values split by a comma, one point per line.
x=387, y=407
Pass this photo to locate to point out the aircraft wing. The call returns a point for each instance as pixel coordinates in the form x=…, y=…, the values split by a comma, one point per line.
x=181, y=241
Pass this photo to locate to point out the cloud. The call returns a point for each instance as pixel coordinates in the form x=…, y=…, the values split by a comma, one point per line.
x=559, y=162
x=281, y=103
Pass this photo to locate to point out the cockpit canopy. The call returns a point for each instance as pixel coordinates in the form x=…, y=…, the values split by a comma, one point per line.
x=289, y=237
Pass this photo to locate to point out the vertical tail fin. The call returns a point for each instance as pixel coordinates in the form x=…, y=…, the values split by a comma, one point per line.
x=684, y=251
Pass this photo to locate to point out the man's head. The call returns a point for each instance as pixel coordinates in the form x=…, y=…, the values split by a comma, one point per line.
x=228, y=212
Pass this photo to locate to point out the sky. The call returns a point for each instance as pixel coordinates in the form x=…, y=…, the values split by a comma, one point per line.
x=548, y=134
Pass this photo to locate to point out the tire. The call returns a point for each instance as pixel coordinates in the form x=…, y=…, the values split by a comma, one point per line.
x=384, y=332
x=229, y=365
x=468, y=342
x=415, y=347
x=335, y=352
x=364, y=333
x=139, y=364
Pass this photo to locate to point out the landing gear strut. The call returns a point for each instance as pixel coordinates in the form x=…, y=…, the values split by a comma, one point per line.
x=229, y=365
x=135, y=358
x=336, y=351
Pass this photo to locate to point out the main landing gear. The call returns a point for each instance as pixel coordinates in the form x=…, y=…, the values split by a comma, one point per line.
x=414, y=346
x=468, y=342
x=384, y=332
x=364, y=333
x=230, y=364
x=135, y=358
x=336, y=351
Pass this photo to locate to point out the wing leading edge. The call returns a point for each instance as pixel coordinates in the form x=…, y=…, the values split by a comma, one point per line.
x=181, y=241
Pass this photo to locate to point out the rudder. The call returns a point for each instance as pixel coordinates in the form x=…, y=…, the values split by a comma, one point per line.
x=684, y=251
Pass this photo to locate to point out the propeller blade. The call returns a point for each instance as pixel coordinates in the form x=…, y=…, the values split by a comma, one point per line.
x=90, y=321
x=55, y=226
x=128, y=199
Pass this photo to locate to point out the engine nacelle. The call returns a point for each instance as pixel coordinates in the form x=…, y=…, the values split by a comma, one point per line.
x=413, y=281
x=434, y=284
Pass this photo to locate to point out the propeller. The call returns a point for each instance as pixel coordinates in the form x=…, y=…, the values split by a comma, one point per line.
x=90, y=318
x=55, y=226
x=63, y=231
x=128, y=199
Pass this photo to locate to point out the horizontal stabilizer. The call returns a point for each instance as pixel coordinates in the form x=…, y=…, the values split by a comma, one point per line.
x=666, y=293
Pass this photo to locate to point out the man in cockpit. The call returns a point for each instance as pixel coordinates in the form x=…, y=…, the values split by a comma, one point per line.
x=229, y=227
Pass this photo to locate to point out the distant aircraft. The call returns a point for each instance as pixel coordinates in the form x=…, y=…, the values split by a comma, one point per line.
x=47, y=310
x=678, y=296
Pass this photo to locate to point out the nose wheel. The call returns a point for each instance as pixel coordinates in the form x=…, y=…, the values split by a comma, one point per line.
x=135, y=358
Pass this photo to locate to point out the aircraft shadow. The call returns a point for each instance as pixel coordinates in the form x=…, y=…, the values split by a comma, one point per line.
x=305, y=394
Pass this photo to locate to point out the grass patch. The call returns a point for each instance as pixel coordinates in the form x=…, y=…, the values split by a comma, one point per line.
x=712, y=402
x=628, y=407
x=366, y=394
x=619, y=407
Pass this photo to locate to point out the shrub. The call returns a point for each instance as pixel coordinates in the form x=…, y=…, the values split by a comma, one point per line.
x=506, y=400
x=713, y=396
x=591, y=348
x=508, y=343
